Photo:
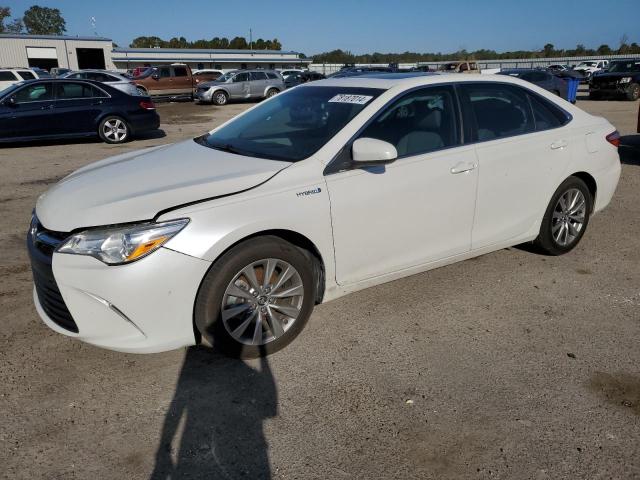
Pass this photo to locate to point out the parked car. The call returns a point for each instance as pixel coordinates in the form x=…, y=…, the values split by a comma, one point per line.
x=328, y=188
x=622, y=80
x=541, y=78
x=358, y=71
x=290, y=71
x=206, y=75
x=113, y=79
x=172, y=81
x=303, y=77
x=41, y=72
x=59, y=71
x=460, y=67
x=240, y=84
x=590, y=67
x=11, y=76
x=61, y=108
x=559, y=67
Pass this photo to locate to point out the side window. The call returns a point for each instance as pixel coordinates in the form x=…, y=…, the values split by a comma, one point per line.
x=35, y=93
x=164, y=72
x=497, y=110
x=546, y=114
x=421, y=121
x=464, y=67
x=241, y=77
x=180, y=72
x=258, y=76
x=7, y=76
x=26, y=75
x=272, y=76
x=68, y=91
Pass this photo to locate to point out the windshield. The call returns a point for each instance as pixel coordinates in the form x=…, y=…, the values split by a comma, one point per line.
x=628, y=66
x=292, y=125
x=227, y=76
x=587, y=64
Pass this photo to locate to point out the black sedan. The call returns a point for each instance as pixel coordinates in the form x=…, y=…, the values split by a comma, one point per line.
x=302, y=77
x=542, y=79
x=59, y=108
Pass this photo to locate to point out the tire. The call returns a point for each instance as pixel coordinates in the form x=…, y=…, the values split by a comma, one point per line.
x=220, y=98
x=554, y=238
x=633, y=92
x=226, y=277
x=272, y=92
x=114, y=129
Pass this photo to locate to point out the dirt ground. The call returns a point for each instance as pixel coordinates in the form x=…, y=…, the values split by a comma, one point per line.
x=511, y=365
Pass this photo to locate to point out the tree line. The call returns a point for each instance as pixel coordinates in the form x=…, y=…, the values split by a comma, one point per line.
x=35, y=21
x=236, y=43
x=549, y=51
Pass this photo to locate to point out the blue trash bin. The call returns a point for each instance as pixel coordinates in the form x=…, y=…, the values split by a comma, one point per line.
x=572, y=88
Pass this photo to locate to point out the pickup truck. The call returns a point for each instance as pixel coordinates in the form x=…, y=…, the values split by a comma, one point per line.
x=171, y=81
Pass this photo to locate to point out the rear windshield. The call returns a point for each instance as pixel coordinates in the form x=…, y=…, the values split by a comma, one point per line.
x=292, y=125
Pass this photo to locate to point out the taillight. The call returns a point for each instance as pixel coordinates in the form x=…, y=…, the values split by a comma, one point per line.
x=147, y=105
x=614, y=138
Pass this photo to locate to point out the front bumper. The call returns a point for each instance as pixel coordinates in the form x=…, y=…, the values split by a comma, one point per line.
x=204, y=95
x=610, y=88
x=142, y=307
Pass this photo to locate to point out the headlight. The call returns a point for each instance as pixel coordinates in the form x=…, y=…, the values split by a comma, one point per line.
x=625, y=80
x=119, y=245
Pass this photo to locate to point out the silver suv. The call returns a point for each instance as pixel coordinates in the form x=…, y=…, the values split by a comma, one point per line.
x=241, y=84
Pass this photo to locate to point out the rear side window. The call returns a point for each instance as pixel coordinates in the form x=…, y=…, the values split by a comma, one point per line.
x=546, y=114
x=26, y=75
x=497, y=110
x=180, y=71
x=419, y=122
x=6, y=76
x=258, y=76
x=272, y=76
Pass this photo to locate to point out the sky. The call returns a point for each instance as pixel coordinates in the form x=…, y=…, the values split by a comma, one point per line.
x=358, y=25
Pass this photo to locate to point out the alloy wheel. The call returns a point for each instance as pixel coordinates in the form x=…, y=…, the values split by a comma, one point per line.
x=115, y=130
x=262, y=301
x=568, y=217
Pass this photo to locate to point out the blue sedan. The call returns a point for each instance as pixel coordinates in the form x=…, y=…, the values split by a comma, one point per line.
x=58, y=108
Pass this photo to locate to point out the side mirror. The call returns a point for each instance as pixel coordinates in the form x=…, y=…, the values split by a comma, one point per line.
x=155, y=76
x=370, y=152
x=9, y=101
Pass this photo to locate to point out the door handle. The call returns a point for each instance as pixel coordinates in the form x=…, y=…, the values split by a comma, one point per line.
x=463, y=167
x=97, y=102
x=557, y=145
x=49, y=107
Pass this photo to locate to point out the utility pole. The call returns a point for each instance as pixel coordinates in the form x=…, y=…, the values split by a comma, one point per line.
x=251, y=41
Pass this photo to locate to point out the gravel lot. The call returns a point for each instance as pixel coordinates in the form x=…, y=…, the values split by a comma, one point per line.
x=511, y=365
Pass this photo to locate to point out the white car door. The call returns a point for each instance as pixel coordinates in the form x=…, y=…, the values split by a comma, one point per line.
x=415, y=210
x=522, y=157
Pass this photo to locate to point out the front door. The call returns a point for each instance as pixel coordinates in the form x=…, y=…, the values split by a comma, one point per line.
x=30, y=114
x=416, y=210
x=258, y=84
x=161, y=82
x=239, y=87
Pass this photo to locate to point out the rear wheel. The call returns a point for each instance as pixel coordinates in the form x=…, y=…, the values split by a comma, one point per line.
x=256, y=298
x=566, y=218
x=114, y=129
x=271, y=92
x=633, y=93
x=220, y=98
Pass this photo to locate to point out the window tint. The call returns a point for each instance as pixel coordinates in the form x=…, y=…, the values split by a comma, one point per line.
x=241, y=77
x=164, y=72
x=419, y=122
x=180, y=71
x=272, y=76
x=26, y=75
x=546, y=114
x=498, y=110
x=258, y=76
x=66, y=91
x=6, y=76
x=35, y=93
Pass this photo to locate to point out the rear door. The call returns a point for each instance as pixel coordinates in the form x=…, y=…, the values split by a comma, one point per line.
x=78, y=105
x=31, y=114
x=258, y=84
x=522, y=156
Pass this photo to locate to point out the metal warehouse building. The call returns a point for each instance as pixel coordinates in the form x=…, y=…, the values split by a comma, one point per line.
x=50, y=51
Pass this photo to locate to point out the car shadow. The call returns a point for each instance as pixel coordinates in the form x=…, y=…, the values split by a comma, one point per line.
x=150, y=135
x=214, y=425
x=630, y=149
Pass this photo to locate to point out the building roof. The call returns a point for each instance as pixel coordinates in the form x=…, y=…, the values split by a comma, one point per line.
x=201, y=50
x=52, y=37
x=247, y=59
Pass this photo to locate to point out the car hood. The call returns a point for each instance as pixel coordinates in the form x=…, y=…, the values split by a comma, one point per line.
x=135, y=186
x=212, y=83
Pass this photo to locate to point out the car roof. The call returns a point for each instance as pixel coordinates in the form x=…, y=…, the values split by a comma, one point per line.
x=412, y=79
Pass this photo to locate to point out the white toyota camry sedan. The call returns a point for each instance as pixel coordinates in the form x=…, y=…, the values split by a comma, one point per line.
x=231, y=238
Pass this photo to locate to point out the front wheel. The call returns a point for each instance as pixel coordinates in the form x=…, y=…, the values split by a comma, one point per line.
x=272, y=92
x=566, y=218
x=256, y=298
x=220, y=98
x=114, y=129
x=633, y=93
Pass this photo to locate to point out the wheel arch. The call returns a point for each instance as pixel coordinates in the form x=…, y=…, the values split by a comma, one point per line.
x=591, y=185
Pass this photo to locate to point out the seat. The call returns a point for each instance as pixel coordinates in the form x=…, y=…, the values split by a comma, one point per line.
x=419, y=141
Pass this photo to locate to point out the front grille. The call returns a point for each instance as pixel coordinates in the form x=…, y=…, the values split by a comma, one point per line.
x=41, y=244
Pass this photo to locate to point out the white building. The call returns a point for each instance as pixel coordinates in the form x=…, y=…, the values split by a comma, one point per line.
x=51, y=51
